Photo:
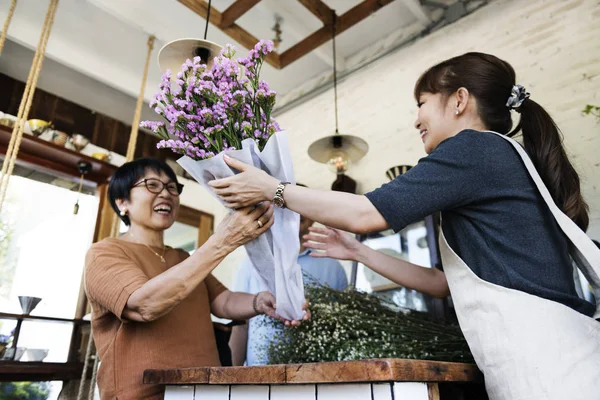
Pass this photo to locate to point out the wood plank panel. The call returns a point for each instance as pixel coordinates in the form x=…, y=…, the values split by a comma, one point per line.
x=234, y=31
x=40, y=154
x=378, y=370
x=267, y=374
x=382, y=370
x=105, y=214
x=121, y=135
x=15, y=371
x=359, y=12
x=344, y=371
x=434, y=371
x=434, y=391
x=206, y=228
x=200, y=7
x=319, y=10
x=235, y=11
x=42, y=106
x=69, y=117
x=323, y=35
x=176, y=376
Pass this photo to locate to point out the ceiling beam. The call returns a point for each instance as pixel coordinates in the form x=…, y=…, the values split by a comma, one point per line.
x=415, y=7
x=234, y=31
x=200, y=7
x=359, y=12
x=235, y=11
x=319, y=10
x=323, y=35
x=294, y=30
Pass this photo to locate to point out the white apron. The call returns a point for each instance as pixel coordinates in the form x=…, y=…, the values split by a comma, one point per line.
x=527, y=347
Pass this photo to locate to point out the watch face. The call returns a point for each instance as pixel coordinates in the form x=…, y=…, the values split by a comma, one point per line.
x=278, y=201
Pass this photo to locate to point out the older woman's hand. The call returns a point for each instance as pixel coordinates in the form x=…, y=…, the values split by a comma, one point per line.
x=306, y=317
x=265, y=303
x=244, y=225
x=249, y=187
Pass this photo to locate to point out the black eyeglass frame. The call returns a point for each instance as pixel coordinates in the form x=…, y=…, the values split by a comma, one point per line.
x=162, y=187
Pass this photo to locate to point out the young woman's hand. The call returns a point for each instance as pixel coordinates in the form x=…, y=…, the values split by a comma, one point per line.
x=332, y=243
x=251, y=186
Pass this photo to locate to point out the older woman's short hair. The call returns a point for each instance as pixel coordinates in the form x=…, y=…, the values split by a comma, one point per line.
x=129, y=174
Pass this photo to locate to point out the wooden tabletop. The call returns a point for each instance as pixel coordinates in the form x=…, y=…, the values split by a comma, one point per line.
x=377, y=370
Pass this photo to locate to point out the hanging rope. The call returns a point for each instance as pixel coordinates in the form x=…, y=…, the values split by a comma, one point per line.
x=6, y=24
x=116, y=222
x=94, y=377
x=207, y=20
x=138, y=107
x=86, y=362
x=333, y=34
x=26, y=101
x=26, y=93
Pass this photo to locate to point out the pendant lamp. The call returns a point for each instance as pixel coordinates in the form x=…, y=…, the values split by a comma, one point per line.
x=337, y=151
x=175, y=53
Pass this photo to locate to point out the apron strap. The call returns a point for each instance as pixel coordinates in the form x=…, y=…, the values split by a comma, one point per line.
x=583, y=251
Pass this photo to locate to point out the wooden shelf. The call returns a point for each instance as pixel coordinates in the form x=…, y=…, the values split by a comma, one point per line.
x=26, y=317
x=36, y=153
x=15, y=371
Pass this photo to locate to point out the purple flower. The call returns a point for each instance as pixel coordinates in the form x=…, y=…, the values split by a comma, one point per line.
x=154, y=126
x=264, y=47
x=228, y=51
x=207, y=102
x=165, y=80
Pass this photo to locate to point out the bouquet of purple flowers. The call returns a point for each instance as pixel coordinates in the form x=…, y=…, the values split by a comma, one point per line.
x=210, y=111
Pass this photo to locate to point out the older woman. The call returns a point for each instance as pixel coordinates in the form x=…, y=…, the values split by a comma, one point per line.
x=152, y=303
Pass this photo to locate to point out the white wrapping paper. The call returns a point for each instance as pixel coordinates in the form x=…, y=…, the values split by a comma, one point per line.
x=274, y=254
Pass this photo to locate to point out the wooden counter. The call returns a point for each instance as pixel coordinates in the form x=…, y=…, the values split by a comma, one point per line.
x=380, y=379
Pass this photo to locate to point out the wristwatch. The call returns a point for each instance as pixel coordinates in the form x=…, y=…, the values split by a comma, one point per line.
x=278, y=199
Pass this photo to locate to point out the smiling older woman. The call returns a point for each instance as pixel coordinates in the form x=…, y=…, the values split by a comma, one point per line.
x=151, y=304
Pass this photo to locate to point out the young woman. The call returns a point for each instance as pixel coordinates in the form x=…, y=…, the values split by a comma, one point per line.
x=151, y=304
x=513, y=221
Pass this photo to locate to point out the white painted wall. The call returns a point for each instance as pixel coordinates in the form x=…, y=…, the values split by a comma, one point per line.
x=553, y=45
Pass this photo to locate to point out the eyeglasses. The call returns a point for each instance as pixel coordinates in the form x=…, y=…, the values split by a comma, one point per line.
x=156, y=186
